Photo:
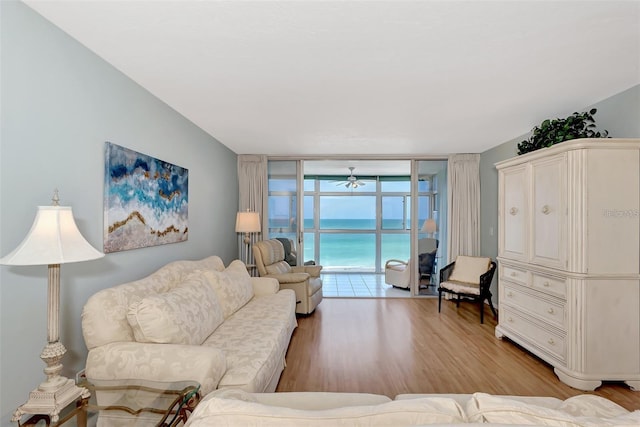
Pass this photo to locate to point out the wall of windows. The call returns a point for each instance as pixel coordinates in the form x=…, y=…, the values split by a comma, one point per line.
x=352, y=229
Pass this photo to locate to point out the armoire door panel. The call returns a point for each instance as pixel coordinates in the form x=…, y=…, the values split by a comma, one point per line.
x=514, y=211
x=613, y=212
x=549, y=212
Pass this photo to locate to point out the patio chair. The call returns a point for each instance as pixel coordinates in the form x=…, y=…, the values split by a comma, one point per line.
x=397, y=273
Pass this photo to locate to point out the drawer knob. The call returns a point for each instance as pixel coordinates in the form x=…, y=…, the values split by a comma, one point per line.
x=514, y=274
x=510, y=319
x=551, y=341
x=546, y=210
x=513, y=211
x=509, y=294
x=551, y=310
x=546, y=284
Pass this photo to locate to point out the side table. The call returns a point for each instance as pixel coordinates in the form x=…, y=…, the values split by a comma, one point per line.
x=79, y=412
x=141, y=402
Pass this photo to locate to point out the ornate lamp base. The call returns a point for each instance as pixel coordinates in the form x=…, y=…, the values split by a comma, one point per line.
x=51, y=402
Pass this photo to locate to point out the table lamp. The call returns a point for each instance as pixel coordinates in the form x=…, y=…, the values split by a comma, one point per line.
x=247, y=222
x=429, y=226
x=54, y=239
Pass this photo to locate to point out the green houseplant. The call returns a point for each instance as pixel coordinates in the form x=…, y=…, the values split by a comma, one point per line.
x=550, y=132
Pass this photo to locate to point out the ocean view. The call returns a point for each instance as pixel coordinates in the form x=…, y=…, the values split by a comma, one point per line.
x=355, y=249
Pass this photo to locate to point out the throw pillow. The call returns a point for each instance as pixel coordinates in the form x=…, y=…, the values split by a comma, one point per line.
x=233, y=286
x=186, y=314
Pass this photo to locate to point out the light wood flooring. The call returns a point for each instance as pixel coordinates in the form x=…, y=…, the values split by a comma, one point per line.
x=401, y=345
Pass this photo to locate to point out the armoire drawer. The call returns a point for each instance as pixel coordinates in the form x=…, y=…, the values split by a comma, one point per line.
x=549, y=284
x=515, y=275
x=532, y=303
x=549, y=341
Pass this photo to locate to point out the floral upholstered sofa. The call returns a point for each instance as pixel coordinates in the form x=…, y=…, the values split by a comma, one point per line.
x=237, y=408
x=192, y=320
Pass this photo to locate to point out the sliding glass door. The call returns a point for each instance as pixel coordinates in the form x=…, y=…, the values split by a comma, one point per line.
x=358, y=214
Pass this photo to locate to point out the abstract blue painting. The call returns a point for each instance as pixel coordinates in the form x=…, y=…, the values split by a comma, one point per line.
x=146, y=200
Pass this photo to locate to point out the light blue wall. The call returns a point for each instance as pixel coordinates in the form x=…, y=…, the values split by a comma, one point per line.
x=619, y=114
x=59, y=104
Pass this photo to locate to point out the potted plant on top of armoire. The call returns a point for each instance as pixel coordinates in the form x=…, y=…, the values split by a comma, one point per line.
x=551, y=132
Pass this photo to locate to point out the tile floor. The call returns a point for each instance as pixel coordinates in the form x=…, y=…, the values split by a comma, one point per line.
x=362, y=285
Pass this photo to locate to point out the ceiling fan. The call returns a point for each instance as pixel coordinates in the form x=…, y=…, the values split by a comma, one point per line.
x=351, y=181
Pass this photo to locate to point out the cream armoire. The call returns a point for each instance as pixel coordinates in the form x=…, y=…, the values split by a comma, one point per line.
x=569, y=258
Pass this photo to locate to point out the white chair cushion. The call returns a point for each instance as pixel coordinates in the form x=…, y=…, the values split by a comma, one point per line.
x=186, y=314
x=469, y=269
x=461, y=288
x=233, y=286
x=396, y=265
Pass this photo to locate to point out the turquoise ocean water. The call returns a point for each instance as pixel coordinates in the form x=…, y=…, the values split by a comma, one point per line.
x=351, y=244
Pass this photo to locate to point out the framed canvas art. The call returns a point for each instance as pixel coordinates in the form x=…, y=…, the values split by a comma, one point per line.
x=146, y=200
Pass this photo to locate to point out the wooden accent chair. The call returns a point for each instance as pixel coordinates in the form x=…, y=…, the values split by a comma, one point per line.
x=468, y=277
x=304, y=280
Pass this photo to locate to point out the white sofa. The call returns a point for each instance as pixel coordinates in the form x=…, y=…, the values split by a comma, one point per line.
x=238, y=408
x=192, y=320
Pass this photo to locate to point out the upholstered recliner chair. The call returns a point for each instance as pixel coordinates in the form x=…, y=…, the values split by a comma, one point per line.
x=397, y=273
x=304, y=280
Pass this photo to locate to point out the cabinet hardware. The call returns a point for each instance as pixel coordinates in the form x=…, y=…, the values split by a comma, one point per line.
x=546, y=284
x=513, y=211
x=546, y=209
x=551, y=341
x=550, y=311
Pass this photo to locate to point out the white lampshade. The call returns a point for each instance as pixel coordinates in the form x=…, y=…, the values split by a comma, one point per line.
x=54, y=238
x=429, y=226
x=248, y=222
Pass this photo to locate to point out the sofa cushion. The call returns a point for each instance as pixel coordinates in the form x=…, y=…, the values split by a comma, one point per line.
x=186, y=314
x=469, y=269
x=578, y=411
x=233, y=286
x=255, y=340
x=240, y=412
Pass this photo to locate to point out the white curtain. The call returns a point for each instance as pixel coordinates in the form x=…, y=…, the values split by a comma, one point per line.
x=464, y=205
x=252, y=190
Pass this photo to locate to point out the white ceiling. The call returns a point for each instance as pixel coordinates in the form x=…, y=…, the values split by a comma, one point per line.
x=364, y=77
